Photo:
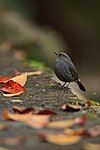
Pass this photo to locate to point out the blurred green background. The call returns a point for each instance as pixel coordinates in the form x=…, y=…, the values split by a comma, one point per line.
x=40, y=27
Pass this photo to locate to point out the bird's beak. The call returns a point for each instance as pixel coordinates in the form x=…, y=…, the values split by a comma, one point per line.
x=56, y=53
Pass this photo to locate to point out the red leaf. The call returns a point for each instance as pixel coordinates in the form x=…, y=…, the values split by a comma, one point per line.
x=12, y=87
x=21, y=79
x=4, y=79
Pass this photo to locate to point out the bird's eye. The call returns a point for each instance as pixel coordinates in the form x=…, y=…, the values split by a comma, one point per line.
x=59, y=54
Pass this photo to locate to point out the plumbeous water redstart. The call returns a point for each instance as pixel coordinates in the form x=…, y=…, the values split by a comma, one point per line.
x=65, y=70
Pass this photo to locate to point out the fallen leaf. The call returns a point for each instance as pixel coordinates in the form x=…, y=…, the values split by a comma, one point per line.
x=46, y=112
x=94, y=131
x=4, y=79
x=13, y=140
x=11, y=95
x=3, y=127
x=59, y=138
x=60, y=124
x=23, y=110
x=71, y=107
x=80, y=121
x=78, y=131
x=21, y=79
x=34, y=121
x=91, y=146
x=38, y=121
x=16, y=73
x=12, y=87
x=16, y=117
x=34, y=73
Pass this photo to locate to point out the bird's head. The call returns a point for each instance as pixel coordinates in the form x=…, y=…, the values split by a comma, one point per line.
x=62, y=55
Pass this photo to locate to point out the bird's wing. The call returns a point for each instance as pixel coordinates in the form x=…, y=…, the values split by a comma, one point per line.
x=74, y=73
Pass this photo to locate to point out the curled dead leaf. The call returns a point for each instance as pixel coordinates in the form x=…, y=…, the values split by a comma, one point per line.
x=11, y=95
x=59, y=138
x=21, y=79
x=23, y=110
x=60, y=124
x=71, y=107
x=34, y=73
x=46, y=112
x=16, y=117
x=38, y=121
x=13, y=88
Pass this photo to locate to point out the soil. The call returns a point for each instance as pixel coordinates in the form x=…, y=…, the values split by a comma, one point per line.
x=42, y=92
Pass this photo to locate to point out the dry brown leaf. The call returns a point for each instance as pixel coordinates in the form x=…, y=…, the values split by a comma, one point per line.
x=38, y=121
x=60, y=124
x=34, y=73
x=16, y=117
x=79, y=131
x=35, y=121
x=71, y=107
x=21, y=79
x=59, y=138
x=18, y=109
x=90, y=146
x=23, y=110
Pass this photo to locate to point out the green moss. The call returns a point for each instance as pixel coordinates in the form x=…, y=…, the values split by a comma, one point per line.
x=38, y=64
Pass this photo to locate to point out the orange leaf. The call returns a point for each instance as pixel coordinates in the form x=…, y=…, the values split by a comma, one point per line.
x=60, y=124
x=21, y=79
x=12, y=87
x=38, y=121
x=34, y=73
x=34, y=121
x=59, y=138
x=78, y=131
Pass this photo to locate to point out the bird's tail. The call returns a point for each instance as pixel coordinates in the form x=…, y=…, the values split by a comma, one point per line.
x=81, y=86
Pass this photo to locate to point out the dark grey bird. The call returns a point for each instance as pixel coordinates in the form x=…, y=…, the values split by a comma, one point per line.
x=66, y=71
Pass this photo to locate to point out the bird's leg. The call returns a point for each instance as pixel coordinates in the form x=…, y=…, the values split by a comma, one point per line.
x=64, y=84
x=68, y=85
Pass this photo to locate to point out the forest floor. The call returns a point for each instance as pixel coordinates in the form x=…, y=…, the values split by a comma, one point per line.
x=42, y=93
